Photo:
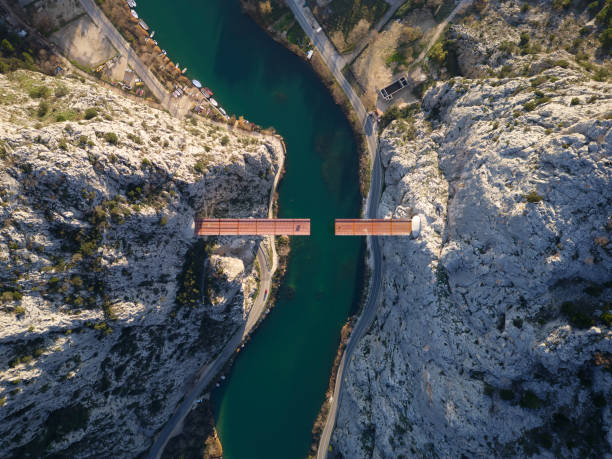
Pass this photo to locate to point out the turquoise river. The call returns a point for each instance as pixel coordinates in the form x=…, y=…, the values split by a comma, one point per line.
x=268, y=403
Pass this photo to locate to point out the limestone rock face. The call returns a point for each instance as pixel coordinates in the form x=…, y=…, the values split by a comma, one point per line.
x=102, y=316
x=493, y=333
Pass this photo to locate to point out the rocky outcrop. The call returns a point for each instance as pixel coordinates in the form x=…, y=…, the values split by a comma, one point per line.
x=103, y=292
x=493, y=334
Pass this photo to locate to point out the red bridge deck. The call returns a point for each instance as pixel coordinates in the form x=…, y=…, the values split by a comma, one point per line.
x=252, y=226
x=373, y=227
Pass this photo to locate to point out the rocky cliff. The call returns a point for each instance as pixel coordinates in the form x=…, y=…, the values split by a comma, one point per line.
x=107, y=305
x=493, y=334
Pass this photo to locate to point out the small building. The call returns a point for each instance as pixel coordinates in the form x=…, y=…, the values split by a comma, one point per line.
x=388, y=92
x=128, y=79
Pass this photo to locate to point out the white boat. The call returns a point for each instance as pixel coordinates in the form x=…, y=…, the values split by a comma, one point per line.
x=134, y=14
x=214, y=102
x=184, y=70
x=197, y=84
x=222, y=111
x=152, y=34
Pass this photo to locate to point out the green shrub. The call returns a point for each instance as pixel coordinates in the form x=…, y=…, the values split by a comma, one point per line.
x=576, y=316
x=87, y=249
x=7, y=46
x=163, y=221
x=606, y=38
x=7, y=297
x=2, y=401
x=534, y=103
x=111, y=138
x=225, y=140
x=27, y=58
x=40, y=92
x=593, y=6
x=200, y=166
x=601, y=74
x=91, y=113
x=437, y=53
x=134, y=138
x=83, y=141
x=61, y=91
x=43, y=108
x=506, y=47
x=575, y=101
x=76, y=282
x=533, y=197
x=145, y=163
x=561, y=4
x=530, y=400
x=606, y=318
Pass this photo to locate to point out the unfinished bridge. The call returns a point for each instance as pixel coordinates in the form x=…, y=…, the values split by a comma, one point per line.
x=252, y=226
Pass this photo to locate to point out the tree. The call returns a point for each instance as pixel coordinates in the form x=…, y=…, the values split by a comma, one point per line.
x=265, y=8
x=606, y=38
x=437, y=53
x=7, y=46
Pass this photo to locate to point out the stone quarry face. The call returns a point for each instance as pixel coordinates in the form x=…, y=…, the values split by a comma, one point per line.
x=98, y=257
x=492, y=336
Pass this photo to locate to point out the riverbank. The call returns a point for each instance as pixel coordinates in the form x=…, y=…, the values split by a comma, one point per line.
x=345, y=334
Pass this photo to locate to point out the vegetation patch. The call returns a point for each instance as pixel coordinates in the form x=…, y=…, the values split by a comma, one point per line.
x=190, y=280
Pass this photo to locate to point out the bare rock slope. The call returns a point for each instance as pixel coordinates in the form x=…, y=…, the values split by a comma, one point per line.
x=493, y=336
x=105, y=307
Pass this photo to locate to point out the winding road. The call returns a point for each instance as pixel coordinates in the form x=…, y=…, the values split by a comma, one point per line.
x=209, y=371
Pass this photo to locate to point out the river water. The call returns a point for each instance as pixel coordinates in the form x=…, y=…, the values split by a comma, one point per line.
x=269, y=401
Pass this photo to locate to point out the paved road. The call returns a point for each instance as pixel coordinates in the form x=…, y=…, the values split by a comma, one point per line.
x=367, y=315
x=123, y=47
x=334, y=61
x=209, y=371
